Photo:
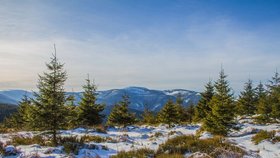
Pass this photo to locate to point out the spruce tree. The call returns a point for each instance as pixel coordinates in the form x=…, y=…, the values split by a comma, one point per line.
x=19, y=119
x=189, y=113
x=169, y=114
x=89, y=112
x=274, y=96
x=148, y=116
x=247, y=102
x=203, y=107
x=120, y=115
x=185, y=114
x=182, y=114
x=274, y=82
x=221, y=118
x=49, y=103
x=263, y=105
x=260, y=91
x=72, y=109
x=263, y=110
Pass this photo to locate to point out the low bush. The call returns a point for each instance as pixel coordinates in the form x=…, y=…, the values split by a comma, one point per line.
x=2, y=150
x=71, y=139
x=170, y=156
x=71, y=148
x=22, y=140
x=71, y=144
x=265, y=135
x=92, y=138
x=140, y=153
x=3, y=129
x=158, y=134
x=191, y=144
x=101, y=129
x=172, y=133
x=222, y=152
x=276, y=139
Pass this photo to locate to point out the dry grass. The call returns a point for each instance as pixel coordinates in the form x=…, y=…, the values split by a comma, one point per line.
x=213, y=146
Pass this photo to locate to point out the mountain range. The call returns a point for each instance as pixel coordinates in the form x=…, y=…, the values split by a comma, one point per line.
x=140, y=97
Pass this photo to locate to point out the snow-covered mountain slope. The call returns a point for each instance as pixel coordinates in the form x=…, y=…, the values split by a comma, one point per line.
x=139, y=97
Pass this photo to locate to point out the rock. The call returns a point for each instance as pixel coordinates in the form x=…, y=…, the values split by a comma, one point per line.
x=198, y=155
x=49, y=151
x=145, y=136
x=10, y=150
x=91, y=146
x=103, y=147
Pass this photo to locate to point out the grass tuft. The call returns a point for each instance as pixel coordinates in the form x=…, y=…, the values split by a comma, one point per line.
x=191, y=144
x=265, y=135
x=140, y=153
x=21, y=140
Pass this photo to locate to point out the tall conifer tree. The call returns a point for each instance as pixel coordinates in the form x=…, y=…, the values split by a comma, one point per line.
x=49, y=103
x=274, y=96
x=221, y=118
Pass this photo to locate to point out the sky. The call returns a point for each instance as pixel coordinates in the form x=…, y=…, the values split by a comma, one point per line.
x=158, y=44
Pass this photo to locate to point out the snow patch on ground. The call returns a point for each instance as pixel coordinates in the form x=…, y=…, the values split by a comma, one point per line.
x=137, y=137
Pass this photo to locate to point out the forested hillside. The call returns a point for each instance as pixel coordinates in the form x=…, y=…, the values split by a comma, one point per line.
x=6, y=110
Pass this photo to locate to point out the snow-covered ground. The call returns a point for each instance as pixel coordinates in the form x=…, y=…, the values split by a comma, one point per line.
x=137, y=137
x=265, y=149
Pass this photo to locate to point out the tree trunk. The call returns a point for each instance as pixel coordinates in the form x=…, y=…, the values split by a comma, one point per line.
x=54, y=138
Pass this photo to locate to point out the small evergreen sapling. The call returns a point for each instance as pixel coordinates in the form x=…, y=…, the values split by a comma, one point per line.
x=169, y=114
x=203, y=107
x=120, y=115
x=247, y=102
x=263, y=105
x=148, y=115
x=89, y=112
x=21, y=117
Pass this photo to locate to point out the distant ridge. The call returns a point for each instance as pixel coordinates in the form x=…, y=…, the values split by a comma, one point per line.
x=139, y=97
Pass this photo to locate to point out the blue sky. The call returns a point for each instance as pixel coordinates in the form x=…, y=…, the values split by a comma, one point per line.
x=159, y=44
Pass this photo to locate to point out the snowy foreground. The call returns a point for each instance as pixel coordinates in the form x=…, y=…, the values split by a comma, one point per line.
x=136, y=137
